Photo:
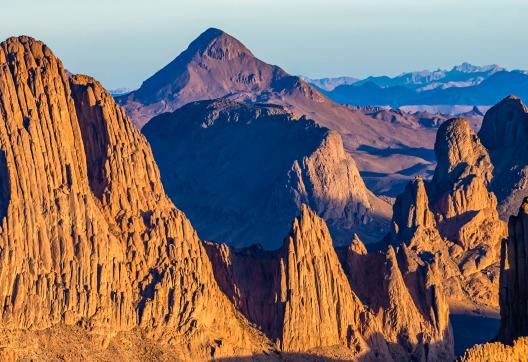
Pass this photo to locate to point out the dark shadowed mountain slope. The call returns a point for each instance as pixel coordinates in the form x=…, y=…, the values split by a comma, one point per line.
x=504, y=133
x=216, y=65
x=241, y=172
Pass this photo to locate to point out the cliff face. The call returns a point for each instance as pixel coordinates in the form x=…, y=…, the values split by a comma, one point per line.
x=504, y=133
x=241, y=172
x=512, y=342
x=514, y=285
x=465, y=208
x=317, y=299
x=454, y=217
x=463, y=172
x=407, y=300
x=87, y=235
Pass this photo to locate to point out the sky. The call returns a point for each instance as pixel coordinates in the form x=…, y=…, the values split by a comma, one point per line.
x=123, y=42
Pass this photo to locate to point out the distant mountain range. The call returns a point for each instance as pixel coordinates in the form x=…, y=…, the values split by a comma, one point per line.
x=328, y=84
x=465, y=84
x=119, y=91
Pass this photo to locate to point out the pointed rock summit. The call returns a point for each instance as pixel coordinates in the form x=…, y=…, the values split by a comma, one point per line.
x=214, y=65
x=452, y=220
x=348, y=302
x=463, y=173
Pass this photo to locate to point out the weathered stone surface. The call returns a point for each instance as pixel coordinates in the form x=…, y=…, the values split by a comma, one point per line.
x=463, y=172
x=87, y=235
x=512, y=342
x=514, y=282
x=406, y=299
x=453, y=219
x=241, y=172
x=363, y=303
x=411, y=212
x=299, y=294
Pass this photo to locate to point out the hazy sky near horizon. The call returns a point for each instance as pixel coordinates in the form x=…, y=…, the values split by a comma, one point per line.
x=123, y=42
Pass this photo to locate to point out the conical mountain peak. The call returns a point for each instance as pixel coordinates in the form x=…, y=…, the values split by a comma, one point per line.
x=217, y=44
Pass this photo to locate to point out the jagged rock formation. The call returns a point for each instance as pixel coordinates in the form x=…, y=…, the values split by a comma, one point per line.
x=497, y=352
x=465, y=209
x=241, y=172
x=504, y=133
x=406, y=298
x=87, y=235
x=514, y=285
x=93, y=254
x=216, y=65
x=453, y=220
x=303, y=295
x=512, y=342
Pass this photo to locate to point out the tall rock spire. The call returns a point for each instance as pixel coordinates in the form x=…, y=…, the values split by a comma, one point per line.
x=453, y=218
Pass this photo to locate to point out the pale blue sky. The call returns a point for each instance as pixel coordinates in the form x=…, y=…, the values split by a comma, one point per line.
x=122, y=42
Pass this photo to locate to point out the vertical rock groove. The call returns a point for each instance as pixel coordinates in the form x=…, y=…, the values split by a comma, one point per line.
x=5, y=186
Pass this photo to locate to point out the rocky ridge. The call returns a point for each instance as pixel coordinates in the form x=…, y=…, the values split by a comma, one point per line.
x=305, y=286
x=452, y=220
x=241, y=173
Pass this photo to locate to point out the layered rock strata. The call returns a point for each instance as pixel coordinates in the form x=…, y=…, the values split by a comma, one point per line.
x=514, y=284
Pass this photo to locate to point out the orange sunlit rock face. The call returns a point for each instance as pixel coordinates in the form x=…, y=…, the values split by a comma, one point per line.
x=88, y=237
x=452, y=220
x=97, y=263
